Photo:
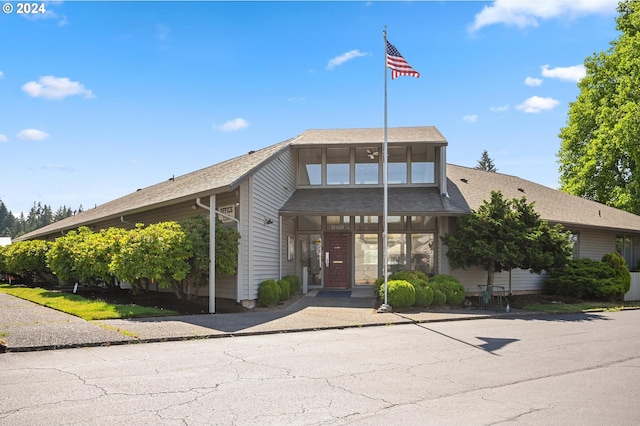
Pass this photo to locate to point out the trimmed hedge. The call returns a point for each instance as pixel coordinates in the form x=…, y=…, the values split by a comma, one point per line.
x=285, y=290
x=586, y=279
x=269, y=293
x=400, y=294
x=454, y=292
x=410, y=276
x=424, y=294
x=294, y=283
x=439, y=298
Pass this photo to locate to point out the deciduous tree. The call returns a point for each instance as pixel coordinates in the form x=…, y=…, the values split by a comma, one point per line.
x=600, y=151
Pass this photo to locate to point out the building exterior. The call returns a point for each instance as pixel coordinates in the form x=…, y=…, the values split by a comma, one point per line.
x=313, y=206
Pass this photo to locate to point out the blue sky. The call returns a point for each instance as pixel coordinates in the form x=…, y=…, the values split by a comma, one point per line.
x=98, y=99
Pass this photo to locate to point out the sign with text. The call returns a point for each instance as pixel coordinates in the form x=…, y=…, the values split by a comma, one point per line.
x=229, y=211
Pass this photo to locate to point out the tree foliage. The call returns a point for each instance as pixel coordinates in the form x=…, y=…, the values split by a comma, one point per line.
x=599, y=155
x=28, y=260
x=486, y=163
x=506, y=234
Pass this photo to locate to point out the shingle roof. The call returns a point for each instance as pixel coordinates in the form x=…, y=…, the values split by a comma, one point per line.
x=218, y=178
x=553, y=205
x=370, y=135
x=370, y=201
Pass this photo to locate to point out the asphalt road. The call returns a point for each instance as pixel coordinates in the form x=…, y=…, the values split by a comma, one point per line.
x=561, y=370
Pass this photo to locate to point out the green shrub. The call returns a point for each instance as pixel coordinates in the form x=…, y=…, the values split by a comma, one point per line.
x=455, y=292
x=269, y=293
x=401, y=294
x=584, y=279
x=424, y=294
x=294, y=283
x=439, y=298
x=285, y=290
x=619, y=265
x=410, y=276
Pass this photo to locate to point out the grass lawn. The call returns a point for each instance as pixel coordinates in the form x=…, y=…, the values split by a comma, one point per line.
x=81, y=307
x=565, y=308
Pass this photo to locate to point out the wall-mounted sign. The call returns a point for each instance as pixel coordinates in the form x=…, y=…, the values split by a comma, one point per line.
x=229, y=211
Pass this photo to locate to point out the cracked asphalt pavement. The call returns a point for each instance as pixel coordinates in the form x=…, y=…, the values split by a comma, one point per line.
x=556, y=369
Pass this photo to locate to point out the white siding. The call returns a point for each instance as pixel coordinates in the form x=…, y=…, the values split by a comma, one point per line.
x=271, y=187
x=522, y=280
x=595, y=243
x=633, y=295
x=244, y=247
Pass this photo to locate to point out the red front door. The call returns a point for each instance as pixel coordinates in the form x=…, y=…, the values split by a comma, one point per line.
x=337, y=260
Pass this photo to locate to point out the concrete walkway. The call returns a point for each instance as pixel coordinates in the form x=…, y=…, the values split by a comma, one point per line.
x=27, y=326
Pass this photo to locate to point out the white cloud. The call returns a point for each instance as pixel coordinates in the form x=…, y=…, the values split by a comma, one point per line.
x=535, y=104
x=532, y=81
x=573, y=73
x=501, y=108
x=3, y=138
x=521, y=13
x=32, y=135
x=472, y=118
x=51, y=87
x=339, y=60
x=234, y=125
x=1, y=75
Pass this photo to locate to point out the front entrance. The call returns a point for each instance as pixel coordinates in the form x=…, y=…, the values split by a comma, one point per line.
x=337, y=260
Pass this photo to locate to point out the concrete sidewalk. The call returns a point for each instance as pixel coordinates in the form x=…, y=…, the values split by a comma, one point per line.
x=27, y=326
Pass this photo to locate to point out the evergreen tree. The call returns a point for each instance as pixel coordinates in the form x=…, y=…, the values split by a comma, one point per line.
x=486, y=163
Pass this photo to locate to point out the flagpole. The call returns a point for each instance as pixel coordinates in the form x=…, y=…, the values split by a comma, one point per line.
x=385, y=215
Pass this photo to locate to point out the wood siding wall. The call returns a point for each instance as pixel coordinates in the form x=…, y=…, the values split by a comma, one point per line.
x=272, y=186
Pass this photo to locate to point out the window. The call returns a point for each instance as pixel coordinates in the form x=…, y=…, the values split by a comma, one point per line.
x=626, y=248
x=397, y=167
x=423, y=222
x=366, y=223
x=310, y=223
x=310, y=166
x=367, y=166
x=423, y=164
x=338, y=166
x=574, y=239
x=422, y=254
x=338, y=223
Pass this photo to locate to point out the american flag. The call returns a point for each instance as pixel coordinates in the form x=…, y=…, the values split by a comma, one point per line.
x=398, y=65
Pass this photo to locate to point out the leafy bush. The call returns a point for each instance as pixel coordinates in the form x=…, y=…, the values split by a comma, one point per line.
x=285, y=289
x=401, y=293
x=268, y=293
x=454, y=292
x=294, y=283
x=424, y=294
x=585, y=278
x=410, y=276
x=439, y=298
x=619, y=265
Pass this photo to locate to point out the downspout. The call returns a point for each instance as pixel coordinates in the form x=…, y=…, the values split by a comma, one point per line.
x=125, y=222
x=212, y=247
x=280, y=248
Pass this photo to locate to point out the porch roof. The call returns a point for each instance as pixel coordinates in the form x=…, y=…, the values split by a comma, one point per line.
x=370, y=201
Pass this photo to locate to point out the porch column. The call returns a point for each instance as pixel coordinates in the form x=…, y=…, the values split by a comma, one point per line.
x=212, y=254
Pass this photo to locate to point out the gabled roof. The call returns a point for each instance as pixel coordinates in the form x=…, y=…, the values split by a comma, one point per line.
x=365, y=136
x=553, y=205
x=221, y=177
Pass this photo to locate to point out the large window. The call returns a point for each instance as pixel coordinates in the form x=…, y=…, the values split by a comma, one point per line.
x=338, y=166
x=397, y=167
x=366, y=259
x=413, y=165
x=310, y=169
x=423, y=162
x=367, y=166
